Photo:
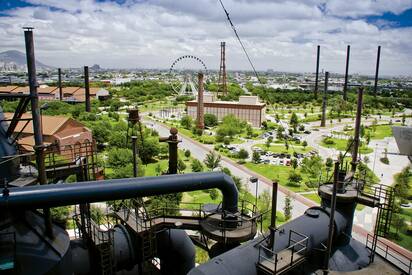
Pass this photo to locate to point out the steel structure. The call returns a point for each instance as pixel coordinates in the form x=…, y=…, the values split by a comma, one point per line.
x=222, y=81
x=182, y=79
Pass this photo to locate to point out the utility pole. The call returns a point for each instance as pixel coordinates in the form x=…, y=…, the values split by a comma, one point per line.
x=317, y=73
x=87, y=88
x=323, y=119
x=37, y=125
x=345, y=86
x=378, y=58
x=59, y=73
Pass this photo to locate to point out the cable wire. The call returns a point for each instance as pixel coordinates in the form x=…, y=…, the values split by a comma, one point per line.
x=240, y=41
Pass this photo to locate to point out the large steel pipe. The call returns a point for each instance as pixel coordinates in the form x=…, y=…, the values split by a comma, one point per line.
x=95, y=191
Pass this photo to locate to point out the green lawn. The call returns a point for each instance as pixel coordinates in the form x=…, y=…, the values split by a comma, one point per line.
x=313, y=197
x=341, y=144
x=279, y=172
x=282, y=149
x=381, y=131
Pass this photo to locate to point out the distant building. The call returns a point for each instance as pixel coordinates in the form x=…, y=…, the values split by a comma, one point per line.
x=67, y=133
x=248, y=108
x=70, y=94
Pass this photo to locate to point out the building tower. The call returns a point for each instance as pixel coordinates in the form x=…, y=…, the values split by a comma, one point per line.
x=378, y=58
x=222, y=82
x=200, y=123
x=324, y=99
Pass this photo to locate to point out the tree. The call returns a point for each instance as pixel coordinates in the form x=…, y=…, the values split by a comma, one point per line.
x=118, y=139
x=255, y=157
x=294, y=178
x=213, y=194
x=312, y=166
x=186, y=122
x=280, y=132
x=286, y=145
x=119, y=157
x=294, y=163
x=196, y=166
x=187, y=153
x=403, y=119
x=243, y=154
x=265, y=125
x=287, y=209
x=249, y=131
x=181, y=166
x=294, y=121
x=149, y=149
x=158, y=169
x=210, y=120
x=304, y=144
x=212, y=160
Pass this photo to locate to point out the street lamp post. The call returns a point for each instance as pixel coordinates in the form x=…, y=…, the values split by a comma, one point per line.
x=255, y=180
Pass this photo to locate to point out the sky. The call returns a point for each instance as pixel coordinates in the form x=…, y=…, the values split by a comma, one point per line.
x=281, y=35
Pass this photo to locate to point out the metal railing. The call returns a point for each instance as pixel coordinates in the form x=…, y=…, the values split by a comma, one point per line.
x=398, y=259
x=296, y=248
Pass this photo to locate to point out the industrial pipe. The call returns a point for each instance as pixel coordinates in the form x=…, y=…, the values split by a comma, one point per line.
x=95, y=191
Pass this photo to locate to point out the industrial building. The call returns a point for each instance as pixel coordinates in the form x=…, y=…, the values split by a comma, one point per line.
x=248, y=108
x=70, y=94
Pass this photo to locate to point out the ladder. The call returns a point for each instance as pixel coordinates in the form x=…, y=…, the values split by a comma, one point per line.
x=106, y=258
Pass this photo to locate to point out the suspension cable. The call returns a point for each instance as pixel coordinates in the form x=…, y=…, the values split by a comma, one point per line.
x=240, y=41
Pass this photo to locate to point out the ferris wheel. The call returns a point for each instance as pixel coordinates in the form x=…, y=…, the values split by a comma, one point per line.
x=183, y=74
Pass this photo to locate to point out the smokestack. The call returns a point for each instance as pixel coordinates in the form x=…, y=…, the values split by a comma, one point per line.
x=37, y=125
x=345, y=86
x=86, y=88
x=323, y=119
x=317, y=73
x=378, y=58
x=59, y=73
x=200, y=107
x=357, y=129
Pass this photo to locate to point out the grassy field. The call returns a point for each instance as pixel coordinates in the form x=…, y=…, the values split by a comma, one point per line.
x=280, y=173
x=341, y=144
x=381, y=131
x=403, y=239
x=282, y=149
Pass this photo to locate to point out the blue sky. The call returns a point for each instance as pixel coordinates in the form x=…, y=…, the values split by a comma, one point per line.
x=280, y=35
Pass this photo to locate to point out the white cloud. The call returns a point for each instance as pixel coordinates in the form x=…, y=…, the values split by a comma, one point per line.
x=280, y=35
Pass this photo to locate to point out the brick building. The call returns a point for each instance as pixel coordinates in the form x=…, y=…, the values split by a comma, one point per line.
x=248, y=108
x=67, y=133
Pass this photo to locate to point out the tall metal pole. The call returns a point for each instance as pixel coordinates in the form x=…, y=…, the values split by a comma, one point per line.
x=59, y=73
x=317, y=73
x=378, y=58
x=323, y=119
x=345, y=86
x=87, y=88
x=331, y=219
x=37, y=125
x=272, y=227
x=134, y=149
x=356, y=140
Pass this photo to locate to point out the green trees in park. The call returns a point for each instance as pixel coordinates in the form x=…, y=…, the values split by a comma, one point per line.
x=187, y=153
x=196, y=166
x=294, y=163
x=212, y=160
x=304, y=144
x=280, y=130
x=242, y=155
x=402, y=184
x=119, y=157
x=255, y=157
x=181, y=166
x=230, y=127
x=186, y=122
x=312, y=167
x=210, y=120
x=287, y=209
x=294, y=178
x=146, y=90
x=294, y=121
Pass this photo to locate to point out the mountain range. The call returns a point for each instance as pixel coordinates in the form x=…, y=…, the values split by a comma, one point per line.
x=15, y=61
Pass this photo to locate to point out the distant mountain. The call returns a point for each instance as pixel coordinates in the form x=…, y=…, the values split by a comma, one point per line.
x=15, y=60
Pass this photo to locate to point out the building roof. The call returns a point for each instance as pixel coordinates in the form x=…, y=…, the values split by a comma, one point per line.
x=47, y=90
x=21, y=90
x=51, y=124
x=7, y=89
x=70, y=90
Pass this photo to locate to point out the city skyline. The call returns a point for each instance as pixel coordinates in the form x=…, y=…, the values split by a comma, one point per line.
x=280, y=36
